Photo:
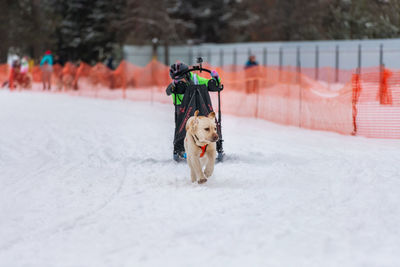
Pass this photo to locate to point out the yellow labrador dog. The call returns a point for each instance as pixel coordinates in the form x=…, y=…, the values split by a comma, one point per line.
x=200, y=146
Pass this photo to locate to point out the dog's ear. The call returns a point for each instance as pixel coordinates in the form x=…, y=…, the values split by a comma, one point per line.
x=211, y=115
x=193, y=123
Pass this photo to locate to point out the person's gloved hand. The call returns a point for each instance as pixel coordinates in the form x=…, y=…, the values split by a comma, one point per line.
x=168, y=91
x=215, y=75
x=174, y=82
x=171, y=88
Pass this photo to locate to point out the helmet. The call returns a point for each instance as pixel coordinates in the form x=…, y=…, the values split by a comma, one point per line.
x=177, y=70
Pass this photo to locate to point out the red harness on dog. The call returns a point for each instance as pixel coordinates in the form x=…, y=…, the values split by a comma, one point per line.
x=203, y=150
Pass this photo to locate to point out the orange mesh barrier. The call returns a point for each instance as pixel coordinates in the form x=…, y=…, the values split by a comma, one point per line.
x=57, y=75
x=100, y=75
x=3, y=73
x=287, y=97
x=377, y=104
x=36, y=74
x=341, y=101
x=68, y=75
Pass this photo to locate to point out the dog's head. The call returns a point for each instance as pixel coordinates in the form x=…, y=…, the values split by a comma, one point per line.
x=203, y=128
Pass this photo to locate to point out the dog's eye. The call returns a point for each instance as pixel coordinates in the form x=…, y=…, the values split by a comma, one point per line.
x=207, y=129
x=215, y=128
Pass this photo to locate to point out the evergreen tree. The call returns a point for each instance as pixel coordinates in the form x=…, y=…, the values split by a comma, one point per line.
x=209, y=20
x=90, y=29
x=86, y=28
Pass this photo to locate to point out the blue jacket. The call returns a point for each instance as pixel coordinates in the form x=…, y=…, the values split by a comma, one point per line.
x=47, y=59
x=250, y=64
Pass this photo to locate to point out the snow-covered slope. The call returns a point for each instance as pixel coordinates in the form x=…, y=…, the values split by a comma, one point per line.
x=89, y=182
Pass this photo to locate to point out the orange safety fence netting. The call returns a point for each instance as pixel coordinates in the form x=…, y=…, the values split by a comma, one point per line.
x=377, y=104
x=3, y=73
x=340, y=101
x=287, y=97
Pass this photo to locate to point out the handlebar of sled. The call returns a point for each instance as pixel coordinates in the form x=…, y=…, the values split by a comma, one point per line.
x=219, y=86
x=201, y=69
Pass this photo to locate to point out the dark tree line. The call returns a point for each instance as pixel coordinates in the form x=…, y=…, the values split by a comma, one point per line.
x=89, y=30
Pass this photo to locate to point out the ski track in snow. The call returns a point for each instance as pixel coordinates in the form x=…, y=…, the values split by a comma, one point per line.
x=91, y=182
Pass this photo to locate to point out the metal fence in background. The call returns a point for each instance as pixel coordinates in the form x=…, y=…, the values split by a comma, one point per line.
x=339, y=55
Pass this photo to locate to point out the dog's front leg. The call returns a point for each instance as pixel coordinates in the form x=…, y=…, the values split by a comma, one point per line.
x=208, y=171
x=196, y=167
x=192, y=172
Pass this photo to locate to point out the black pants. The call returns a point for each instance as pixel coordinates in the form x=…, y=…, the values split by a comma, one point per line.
x=179, y=146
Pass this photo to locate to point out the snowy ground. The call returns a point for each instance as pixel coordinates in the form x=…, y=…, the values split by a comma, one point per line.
x=89, y=182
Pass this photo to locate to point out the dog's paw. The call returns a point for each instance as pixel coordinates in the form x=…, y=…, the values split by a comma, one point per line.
x=207, y=172
x=202, y=181
x=193, y=176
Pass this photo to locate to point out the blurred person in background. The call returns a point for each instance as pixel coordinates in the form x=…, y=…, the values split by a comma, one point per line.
x=24, y=65
x=110, y=62
x=19, y=74
x=11, y=59
x=58, y=60
x=15, y=69
x=24, y=78
x=251, y=75
x=31, y=63
x=251, y=62
x=46, y=65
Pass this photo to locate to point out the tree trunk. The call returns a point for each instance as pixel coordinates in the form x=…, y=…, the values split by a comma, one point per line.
x=4, y=28
x=36, y=41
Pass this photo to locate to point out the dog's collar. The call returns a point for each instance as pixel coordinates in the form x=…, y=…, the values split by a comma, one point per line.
x=196, y=138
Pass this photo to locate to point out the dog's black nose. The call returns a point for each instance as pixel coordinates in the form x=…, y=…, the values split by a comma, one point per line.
x=215, y=137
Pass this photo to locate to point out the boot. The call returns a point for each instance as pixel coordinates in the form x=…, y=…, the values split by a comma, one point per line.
x=179, y=152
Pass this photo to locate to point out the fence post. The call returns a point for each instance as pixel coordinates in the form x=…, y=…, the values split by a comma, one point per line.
x=280, y=62
x=356, y=91
x=249, y=52
x=221, y=57
x=317, y=63
x=154, y=48
x=234, y=57
x=298, y=66
x=298, y=80
x=190, y=55
x=381, y=69
x=337, y=64
x=355, y=96
x=256, y=84
x=359, y=60
x=265, y=62
x=124, y=80
x=166, y=52
x=265, y=59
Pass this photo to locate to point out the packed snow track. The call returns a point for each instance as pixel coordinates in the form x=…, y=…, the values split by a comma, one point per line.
x=91, y=182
